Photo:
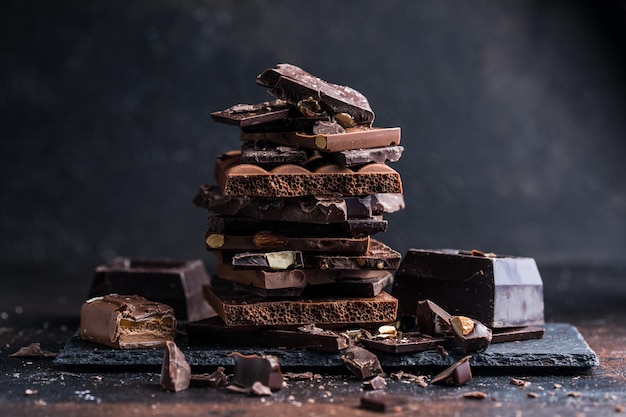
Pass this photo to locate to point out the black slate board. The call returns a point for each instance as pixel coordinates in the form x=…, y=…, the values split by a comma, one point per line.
x=562, y=350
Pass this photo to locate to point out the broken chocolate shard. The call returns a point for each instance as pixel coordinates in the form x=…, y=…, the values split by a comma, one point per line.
x=217, y=379
x=472, y=335
x=387, y=403
x=177, y=283
x=126, y=322
x=280, y=260
x=294, y=123
x=379, y=256
x=499, y=291
x=241, y=309
x=374, y=204
x=244, y=115
x=517, y=334
x=376, y=383
x=293, y=84
x=408, y=343
x=354, y=157
x=260, y=154
x=349, y=286
x=327, y=128
x=458, y=374
x=33, y=350
x=352, y=138
x=432, y=319
x=255, y=368
x=295, y=180
x=361, y=362
x=175, y=371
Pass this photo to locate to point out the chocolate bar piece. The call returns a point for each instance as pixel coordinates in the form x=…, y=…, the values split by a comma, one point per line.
x=353, y=138
x=175, y=371
x=432, y=319
x=408, y=343
x=458, y=374
x=175, y=283
x=126, y=322
x=254, y=368
x=363, y=363
x=241, y=309
x=499, y=291
x=295, y=122
x=387, y=403
x=472, y=335
x=516, y=334
x=236, y=225
x=258, y=153
x=272, y=241
x=217, y=379
x=293, y=84
x=286, y=259
x=353, y=157
x=244, y=115
x=295, y=180
x=376, y=383
x=379, y=256
x=306, y=337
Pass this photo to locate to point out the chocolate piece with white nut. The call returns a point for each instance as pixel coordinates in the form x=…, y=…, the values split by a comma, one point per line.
x=460, y=373
x=432, y=319
x=254, y=368
x=175, y=371
x=126, y=322
x=378, y=256
x=244, y=115
x=472, y=335
x=353, y=157
x=294, y=85
x=363, y=363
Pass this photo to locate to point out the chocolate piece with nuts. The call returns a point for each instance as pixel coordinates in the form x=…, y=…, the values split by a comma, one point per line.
x=472, y=335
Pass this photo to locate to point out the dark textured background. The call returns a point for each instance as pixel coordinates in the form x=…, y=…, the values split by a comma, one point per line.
x=512, y=113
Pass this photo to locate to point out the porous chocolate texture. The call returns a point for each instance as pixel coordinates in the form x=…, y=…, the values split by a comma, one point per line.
x=499, y=291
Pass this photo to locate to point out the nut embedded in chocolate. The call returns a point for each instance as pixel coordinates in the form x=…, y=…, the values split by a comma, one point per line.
x=472, y=335
x=175, y=371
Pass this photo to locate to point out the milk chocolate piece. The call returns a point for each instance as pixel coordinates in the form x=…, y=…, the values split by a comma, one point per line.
x=240, y=309
x=327, y=128
x=244, y=115
x=254, y=368
x=472, y=335
x=500, y=291
x=287, y=259
x=175, y=371
x=365, y=156
x=432, y=319
x=310, y=209
x=353, y=138
x=172, y=282
x=361, y=362
x=387, y=403
x=379, y=256
x=258, y=153
x=458, y=374
x=293, y=84
x=294, y=180
x=126, y=322
x=267, y=241
x=408, y=343
x=306, y=337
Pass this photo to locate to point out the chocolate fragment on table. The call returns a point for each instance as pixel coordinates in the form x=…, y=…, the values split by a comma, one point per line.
x=376, y=383
x=294, y=85
x=286, y=259
x=387, y=403
x=408, y=343
x=432, y=319
x=177, y=283
x=244, y=115
x=294, y=180
x=353, y=157
x=33, y=350
x=499, y=291
x=258, y=153
x=126, y=322
x=361, y=362
x=241, y=309
x=458, y=374
x=175, y=371
x=217, y=379
x=472, y=335
x=379, y=256
x=255, y=368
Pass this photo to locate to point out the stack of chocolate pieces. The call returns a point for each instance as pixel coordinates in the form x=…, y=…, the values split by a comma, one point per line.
x=296, y=206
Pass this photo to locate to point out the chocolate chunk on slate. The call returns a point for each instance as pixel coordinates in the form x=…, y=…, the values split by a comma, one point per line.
x=235, y=225
x=172, y=282
x=376, y=383
x=517, y=334
x=460, y=373
x=432, y=319
x=255, y=368
x=409, y=342
x=499, y=291
x=241, y=309
x=353, y=138
x=310, y=209
x=175, y=371
x=379, y=256
x=214, y=331
x=293, y=84
x=361, y=362
x=217, y=379
x=365, y=156
x=387, y=403
x=243, y=115
x=126, y=322
x=279, y=260
x=33, y=350
x=295, y=180
x=272, y=241
x=472, y=335
x=261, y=154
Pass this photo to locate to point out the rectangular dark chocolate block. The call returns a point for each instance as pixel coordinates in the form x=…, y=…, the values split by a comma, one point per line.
x=295, y=180
x=353, y=138
x=354, y=157
x=244, y=115
x=264, y=154
x=172, y=282
x=379, y=256
x=240, y=309
x=295, y=122
x=500, y=291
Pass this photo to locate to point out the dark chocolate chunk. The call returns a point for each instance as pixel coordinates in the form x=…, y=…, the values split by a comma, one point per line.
x=351, y=287
x=409, y=342
x=472, y=335
x=261, y=154
x=376, y=383
x=293, y=123
x=387, y=403
x=244, y=115
x=374, y=204
x=378, y=256
x=217, y=379
x=175, y=283
x=292, y=84
x=460, y=373
x=432, y=319
x=500, y=291
x=354, y=157
x=175, y=371
x=361, y=362
x=254, y=368
x=287, y=259
x=517, y=334
x=327, y=128
x=33, y=350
